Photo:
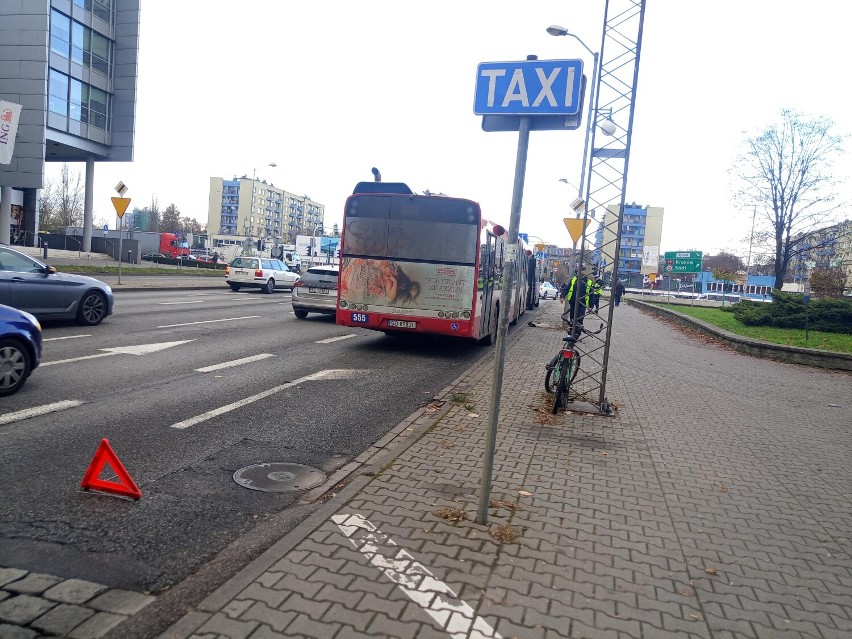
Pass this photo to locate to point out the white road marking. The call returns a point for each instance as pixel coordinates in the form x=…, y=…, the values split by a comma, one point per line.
x=55, y=339
x=335, y=339
x=327, y=374
x=236, y=362
x=187, y=302
x=139, y=349
x=38, y=410
x=435, y=597
x=227, y=319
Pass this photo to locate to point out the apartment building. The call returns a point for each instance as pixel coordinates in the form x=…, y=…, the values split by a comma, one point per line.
x=641, y=228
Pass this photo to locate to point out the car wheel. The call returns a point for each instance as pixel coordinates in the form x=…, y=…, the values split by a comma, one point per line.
x=15, y=366
x=93, y=308
x=270, y=286
x=234, y=287
x=300, y=314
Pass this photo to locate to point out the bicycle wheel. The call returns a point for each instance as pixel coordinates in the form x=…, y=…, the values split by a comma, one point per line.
x=575, y=368
x=562, y=372
x=550, y=379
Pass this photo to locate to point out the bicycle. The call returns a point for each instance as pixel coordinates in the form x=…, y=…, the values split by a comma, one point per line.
x=562, y=370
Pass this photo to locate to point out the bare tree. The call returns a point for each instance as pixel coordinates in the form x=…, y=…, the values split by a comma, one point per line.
x=724, y=260
x=786, y=176
x=154, y=210
x=69, y=198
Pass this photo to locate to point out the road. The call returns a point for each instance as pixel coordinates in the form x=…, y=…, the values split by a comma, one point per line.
x=189, y=387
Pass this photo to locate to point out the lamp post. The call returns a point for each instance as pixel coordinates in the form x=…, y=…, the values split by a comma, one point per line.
x=556, y=30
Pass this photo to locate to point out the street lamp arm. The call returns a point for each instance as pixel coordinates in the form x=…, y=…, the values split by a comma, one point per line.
x=556, y=30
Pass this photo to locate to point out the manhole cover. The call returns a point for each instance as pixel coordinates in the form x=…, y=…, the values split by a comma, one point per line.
x=279, y=477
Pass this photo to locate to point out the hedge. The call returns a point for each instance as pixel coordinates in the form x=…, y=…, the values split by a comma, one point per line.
x=788, y=310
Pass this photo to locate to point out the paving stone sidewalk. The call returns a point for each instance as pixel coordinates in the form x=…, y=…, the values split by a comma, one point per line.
x=716, y=503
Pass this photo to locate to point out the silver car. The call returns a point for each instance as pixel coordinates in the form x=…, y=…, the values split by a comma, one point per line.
x=259, y=272
x=34, y=287
x=316, y=291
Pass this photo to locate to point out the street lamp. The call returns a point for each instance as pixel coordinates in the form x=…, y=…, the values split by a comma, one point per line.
x=317, y=228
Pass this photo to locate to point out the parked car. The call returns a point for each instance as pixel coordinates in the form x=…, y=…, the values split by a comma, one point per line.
x=30, y=285
x=20, y=348
x=259, y=272
x=316, y=291
x=153, y=257
x=548, y=290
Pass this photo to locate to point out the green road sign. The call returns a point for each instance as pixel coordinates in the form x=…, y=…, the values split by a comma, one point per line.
x=683, y=261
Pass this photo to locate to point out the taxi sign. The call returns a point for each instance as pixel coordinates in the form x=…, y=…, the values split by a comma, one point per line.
x=529, y=87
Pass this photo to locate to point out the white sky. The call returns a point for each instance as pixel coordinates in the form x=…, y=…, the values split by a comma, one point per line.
x=329, y=89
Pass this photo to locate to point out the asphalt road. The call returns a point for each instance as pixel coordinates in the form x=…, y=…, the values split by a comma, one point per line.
x=166, y=380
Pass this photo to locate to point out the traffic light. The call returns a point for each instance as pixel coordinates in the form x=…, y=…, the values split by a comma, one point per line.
x=259, y=244
x=309, y=250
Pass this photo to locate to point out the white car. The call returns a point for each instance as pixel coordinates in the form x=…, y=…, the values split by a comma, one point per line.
x=259, y=272
x=548, y=290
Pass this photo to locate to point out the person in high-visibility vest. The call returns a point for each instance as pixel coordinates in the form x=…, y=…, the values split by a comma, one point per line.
x=579, y=286
x=597, y=289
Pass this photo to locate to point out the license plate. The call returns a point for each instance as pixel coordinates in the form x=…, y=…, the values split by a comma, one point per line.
x=401, y=324
x=360, y=318
x=323, y=291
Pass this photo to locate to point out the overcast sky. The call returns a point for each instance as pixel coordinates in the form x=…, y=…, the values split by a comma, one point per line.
x=328, y=89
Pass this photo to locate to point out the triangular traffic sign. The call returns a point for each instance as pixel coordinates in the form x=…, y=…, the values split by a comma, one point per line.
x=575, y=227
x=92, y=481
x=120, y=204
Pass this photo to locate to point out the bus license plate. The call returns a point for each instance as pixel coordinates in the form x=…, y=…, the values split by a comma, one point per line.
x=359, y=317
x=401, y=324
x=324, y=291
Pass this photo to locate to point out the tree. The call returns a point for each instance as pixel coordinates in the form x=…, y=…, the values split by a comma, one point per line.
x=154, y=211
x=170, y=221
x=828, y=282
x=785, y=176
x=61, y=203
x=724, y=260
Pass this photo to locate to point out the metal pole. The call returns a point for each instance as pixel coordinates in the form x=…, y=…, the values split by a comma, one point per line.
x=119, y=250
x=506, y=302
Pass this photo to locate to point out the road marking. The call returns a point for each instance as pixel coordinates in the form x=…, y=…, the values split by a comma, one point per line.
x=227, y=319
x=188, y=302
x=236, y=362
x=327, y=374
x=38, y=410
x=335, y=339
x=139, y=349
x=55, y=339
x=435, y=597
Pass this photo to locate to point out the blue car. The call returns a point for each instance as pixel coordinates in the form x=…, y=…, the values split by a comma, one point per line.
x=20, y=348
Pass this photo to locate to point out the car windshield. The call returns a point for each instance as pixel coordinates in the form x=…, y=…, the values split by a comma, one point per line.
x=245, y=262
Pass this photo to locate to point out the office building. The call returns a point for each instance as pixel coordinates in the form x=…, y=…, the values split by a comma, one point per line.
x=71, y=65
x=641, y=229
x=248, y=208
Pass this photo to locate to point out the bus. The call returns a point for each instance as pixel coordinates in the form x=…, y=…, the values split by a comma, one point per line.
x=428, y=264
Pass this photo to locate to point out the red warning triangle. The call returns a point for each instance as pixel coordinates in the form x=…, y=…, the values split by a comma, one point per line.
x=125, y=486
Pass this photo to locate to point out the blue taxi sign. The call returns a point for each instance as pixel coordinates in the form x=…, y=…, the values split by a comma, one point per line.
x=529, y=87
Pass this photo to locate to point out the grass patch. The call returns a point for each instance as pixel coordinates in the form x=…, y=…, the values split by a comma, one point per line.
x=789, y=337
x=87, y=269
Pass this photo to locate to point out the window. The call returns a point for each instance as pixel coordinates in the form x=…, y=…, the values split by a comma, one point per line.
x=99, y=46
x=60, y=33
x=57, y=100
x=78, y=42
x=78, y=109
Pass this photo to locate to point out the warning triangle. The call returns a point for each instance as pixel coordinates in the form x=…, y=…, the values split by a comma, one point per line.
x=103, y=456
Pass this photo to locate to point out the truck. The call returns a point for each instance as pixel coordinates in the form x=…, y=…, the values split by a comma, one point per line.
x=173, y=245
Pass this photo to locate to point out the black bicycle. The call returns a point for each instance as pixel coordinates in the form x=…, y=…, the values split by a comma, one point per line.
x=562, y=370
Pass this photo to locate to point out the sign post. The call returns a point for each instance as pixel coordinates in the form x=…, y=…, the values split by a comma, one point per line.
x=120, y=204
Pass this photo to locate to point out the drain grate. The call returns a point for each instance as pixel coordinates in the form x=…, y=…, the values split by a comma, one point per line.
x=279, y=477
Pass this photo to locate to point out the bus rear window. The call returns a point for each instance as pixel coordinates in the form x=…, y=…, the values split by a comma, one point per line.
x=433, y=229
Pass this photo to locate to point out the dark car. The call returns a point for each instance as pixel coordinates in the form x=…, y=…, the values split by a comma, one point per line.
x=20, y=348
x=316, y=291
x=30, y=285
x=153, y=257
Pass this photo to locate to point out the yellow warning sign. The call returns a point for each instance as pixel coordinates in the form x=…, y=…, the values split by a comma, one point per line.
x=575, y=227
x=539, y=247
x=120, y=204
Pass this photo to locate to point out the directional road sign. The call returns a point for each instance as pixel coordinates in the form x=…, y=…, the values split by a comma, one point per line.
x=683, y=261
x=529, y=87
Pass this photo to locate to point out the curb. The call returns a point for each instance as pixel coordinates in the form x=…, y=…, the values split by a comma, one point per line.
x=379, y=455
x=779, y=352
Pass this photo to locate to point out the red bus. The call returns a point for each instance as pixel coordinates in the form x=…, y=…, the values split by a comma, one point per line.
x=424, y=264
x=172, y=245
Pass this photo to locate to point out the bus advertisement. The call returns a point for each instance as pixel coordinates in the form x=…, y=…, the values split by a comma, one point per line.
x=423, y=264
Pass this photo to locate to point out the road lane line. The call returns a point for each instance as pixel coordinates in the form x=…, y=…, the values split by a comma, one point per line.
x=76, y=359
x=236, y=362
x=335, y=339
x=326, y=374
x=54, y=339
x=436, y=598
x=38, y=410
x=227, y=319
x=187, y=302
